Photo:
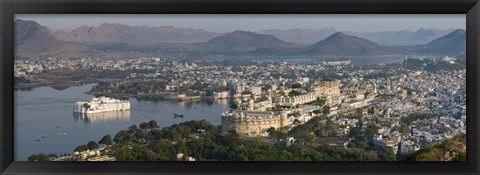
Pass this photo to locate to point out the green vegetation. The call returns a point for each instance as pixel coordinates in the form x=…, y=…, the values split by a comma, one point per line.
x=296, y=85
x=86, y=106
x=92, y=145
x=89, y=146
x=203, y=141
x=106, y=140
x=320, y=102
x=433, y=66
x=42, y=157
x=294, y=93
x=404, y=129
x=415, y=116
x=233, y=105
x=450, y=150
x=326, y=110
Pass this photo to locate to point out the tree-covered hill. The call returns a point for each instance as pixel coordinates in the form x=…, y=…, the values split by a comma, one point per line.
x=450, y=150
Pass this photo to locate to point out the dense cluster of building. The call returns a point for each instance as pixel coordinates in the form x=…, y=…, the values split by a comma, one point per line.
x=277, y=94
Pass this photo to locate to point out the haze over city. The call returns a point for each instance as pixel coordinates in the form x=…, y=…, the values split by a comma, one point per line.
x=257, y=22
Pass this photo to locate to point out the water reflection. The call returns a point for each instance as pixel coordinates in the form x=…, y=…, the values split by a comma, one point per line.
x=102, y=117
x=46, y=111
x=222, y=101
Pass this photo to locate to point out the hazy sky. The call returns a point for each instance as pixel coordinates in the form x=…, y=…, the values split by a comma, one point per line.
x=226, y=23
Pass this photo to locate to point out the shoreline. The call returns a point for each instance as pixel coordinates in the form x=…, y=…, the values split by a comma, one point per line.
x=162, y=96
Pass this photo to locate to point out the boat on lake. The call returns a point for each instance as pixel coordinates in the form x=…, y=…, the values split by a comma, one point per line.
x=178, y=115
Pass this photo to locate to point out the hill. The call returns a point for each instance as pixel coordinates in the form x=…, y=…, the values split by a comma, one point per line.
x=112, y=32
x=33, y=39
x=342, y=44
x=450, y=150
x=300, y=36
x=242, y=41
x=452, y=44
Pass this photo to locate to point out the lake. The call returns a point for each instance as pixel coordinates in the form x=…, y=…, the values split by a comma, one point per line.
x=46, y=111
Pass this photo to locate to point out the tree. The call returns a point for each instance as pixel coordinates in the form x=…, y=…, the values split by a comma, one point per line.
x=233, y=105
x=92, y=145
x=107, y=140
x=326, y=110
x=371, y=156
x=296, y=85
x=153, y=124
x=366, y=94
x=132, y=129
x=122, y=137
x=354, y=132
x=86, y=106
x=359, y=122
x=209, y=92
x=370, y=131
x=296, y=122
x=320, y=102
x=41, y=157
x=81, y=148
x=197, y=85
x=271, y=132
x=371, y=110
x=294, y=93
x=141, y=136
x=404, y=130
x=461, y=156
x=144, y=126
x=150, y=156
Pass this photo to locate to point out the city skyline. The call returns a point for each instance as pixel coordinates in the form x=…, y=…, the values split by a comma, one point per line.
x=182, y=94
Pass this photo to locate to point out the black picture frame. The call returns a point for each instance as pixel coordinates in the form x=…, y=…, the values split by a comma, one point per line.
x=10, y=7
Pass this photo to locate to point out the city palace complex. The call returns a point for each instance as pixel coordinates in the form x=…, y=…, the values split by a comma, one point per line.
x=414, y=103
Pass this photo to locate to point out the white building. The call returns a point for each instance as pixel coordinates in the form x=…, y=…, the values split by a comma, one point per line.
x=256, y=90
x=101, y=104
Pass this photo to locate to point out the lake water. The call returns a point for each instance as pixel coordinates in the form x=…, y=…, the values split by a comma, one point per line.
x=46, y=111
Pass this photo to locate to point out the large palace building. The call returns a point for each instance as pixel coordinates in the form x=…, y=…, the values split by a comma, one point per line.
x=255, y=118
x=323, y=89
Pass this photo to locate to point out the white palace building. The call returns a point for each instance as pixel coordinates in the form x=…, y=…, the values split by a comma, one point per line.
x=101, y=104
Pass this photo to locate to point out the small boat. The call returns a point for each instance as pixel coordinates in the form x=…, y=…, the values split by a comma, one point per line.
x=58, y=127
x=44, y=136
x=38, y=140
x=178, y=115
x=61, y=133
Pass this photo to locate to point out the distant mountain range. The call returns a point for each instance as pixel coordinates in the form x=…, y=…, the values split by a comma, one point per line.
x=110, y=32
x=387, y=38
x=32, y=38
x=453, y=43
x=403, y=37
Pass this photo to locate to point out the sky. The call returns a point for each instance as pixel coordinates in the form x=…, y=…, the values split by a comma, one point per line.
x=258, y=22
